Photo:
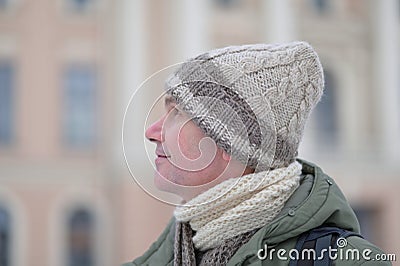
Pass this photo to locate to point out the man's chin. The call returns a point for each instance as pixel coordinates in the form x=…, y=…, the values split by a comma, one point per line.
x=162, y=184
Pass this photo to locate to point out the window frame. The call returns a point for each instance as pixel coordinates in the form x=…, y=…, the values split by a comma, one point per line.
x=70, y=137
x=7, y=108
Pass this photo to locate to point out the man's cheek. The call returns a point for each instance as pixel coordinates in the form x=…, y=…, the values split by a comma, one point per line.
x=197, y=148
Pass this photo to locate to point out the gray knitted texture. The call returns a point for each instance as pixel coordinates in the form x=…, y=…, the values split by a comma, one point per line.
x=253, y=100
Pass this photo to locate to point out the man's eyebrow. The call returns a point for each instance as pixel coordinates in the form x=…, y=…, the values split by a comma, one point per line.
x=169, y=101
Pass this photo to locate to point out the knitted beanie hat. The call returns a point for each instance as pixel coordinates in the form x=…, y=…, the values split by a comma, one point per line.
x=252, y=100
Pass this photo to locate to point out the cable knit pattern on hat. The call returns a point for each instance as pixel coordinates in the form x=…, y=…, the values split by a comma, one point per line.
x=253, y=100
x=238, y=205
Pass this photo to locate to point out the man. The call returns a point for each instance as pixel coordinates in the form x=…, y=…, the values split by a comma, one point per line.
x=227, y=144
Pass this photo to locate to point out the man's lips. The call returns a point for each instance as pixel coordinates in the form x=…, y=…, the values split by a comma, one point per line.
x=161, y=158
x=160, y=152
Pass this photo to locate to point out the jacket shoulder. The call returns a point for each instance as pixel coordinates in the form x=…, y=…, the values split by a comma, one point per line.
x=161, y=252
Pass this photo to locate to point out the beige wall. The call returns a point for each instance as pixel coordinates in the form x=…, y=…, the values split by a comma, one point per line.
x=41, y=179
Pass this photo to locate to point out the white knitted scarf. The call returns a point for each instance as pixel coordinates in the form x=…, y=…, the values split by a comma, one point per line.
x=241, y=204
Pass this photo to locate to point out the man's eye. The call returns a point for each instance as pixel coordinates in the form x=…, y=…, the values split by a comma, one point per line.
x=176, y=111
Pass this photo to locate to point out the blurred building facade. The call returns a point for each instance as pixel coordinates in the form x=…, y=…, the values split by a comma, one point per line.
x=69, y=67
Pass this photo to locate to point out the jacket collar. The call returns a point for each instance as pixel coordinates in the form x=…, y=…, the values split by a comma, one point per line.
x=317, y=201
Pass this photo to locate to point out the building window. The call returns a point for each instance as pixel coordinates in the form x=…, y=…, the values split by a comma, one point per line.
x=81, y=238
x=327, y=120
x=226, y=3
x=321, y=5
x=5, y=237
x=5, y=4
x=80, y=6
x=8, y=6
x=6, y=102
x=80, y=86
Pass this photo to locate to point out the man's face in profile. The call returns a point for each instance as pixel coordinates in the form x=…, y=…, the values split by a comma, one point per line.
x=186, y=157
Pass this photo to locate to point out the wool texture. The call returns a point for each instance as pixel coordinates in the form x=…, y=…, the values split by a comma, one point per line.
x=184, y=253
x=253, y=100
x=238, y=205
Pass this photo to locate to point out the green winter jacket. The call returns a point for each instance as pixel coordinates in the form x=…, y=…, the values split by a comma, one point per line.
x=317, y=201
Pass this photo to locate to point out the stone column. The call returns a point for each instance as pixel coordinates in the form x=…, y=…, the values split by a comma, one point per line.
x=279, y=20
x=189, y=28
x=130, y=66
x=386, y=72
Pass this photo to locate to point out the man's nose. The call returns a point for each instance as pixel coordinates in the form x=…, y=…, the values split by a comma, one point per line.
x=154, y=131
